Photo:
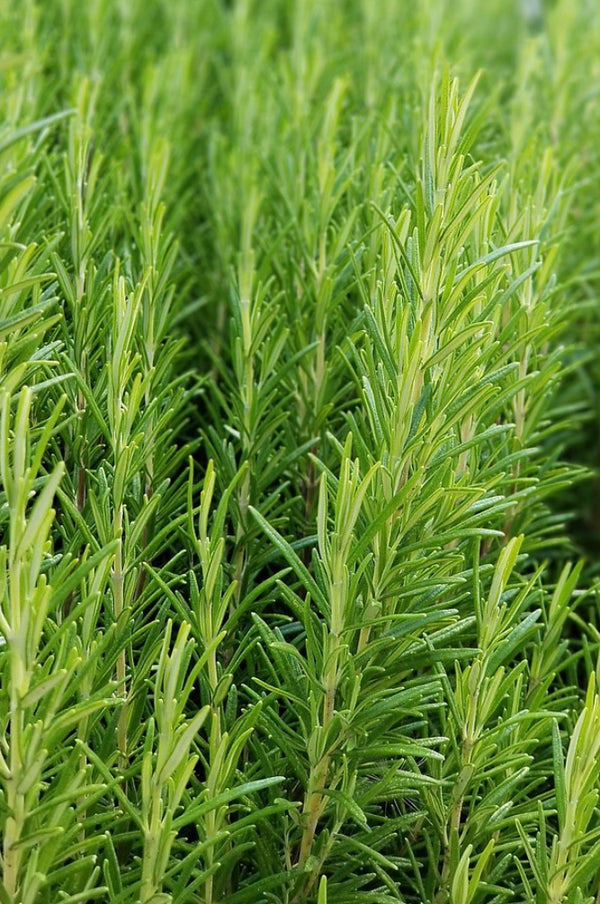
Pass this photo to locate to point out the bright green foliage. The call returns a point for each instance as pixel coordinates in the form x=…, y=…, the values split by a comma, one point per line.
x=298, y=427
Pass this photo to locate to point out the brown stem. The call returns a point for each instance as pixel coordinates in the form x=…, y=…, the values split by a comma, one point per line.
x=455, y=819
x=314, y=798
x=310, y=483
x=118, y=580
x=141, y=581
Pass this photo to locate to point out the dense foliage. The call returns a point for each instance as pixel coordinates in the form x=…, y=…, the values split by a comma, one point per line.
x=298, y=509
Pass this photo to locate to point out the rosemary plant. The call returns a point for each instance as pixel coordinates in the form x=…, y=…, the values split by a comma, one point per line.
x=298, y=429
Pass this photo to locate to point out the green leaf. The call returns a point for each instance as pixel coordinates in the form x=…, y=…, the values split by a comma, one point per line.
x=293, y=560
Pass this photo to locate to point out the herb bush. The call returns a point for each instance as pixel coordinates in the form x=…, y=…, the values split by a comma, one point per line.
x=298, y=323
